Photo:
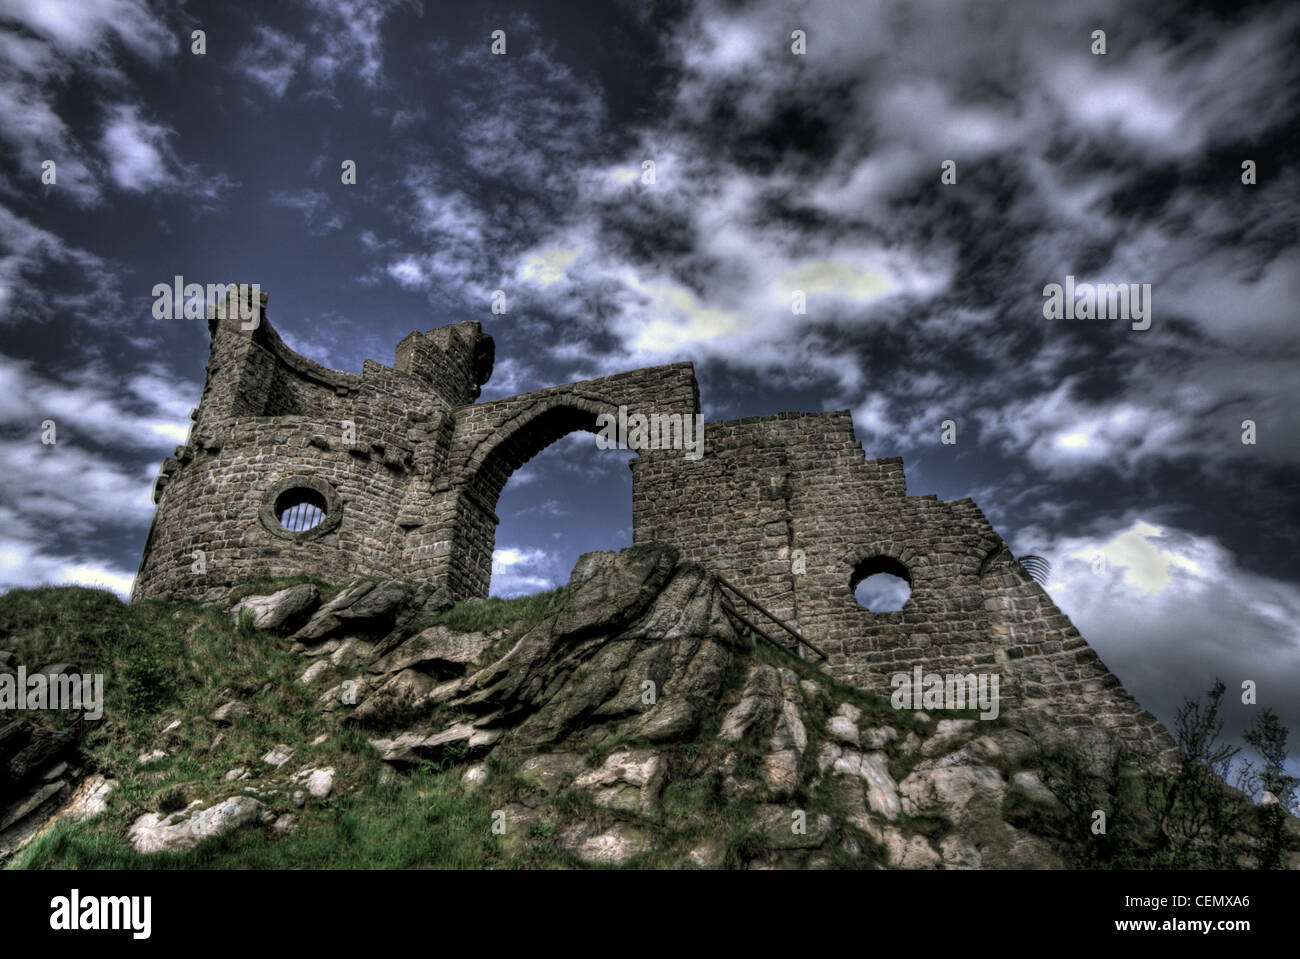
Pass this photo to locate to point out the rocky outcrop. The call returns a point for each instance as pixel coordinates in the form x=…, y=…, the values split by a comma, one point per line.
x=40, y=770
x=635, y=649
x=637, y=684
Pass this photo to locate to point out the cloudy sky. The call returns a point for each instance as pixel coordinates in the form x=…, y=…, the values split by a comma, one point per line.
x=773, y=172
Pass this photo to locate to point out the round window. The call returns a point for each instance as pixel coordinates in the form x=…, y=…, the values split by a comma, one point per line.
x=300, y=509
x=881, y=584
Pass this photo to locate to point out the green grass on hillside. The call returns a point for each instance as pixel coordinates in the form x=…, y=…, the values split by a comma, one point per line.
x=179, y=661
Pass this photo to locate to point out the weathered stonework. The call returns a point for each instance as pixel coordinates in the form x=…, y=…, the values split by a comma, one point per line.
x=406, y=464
x=788, y=507
x=770, y=486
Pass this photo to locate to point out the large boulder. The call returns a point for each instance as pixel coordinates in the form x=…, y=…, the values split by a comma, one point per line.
x=367, y=606
x=154, y=833
x=286, y=610
x=608, y=590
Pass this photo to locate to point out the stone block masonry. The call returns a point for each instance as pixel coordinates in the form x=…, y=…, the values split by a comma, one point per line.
x=399, y=465
x=789, y=508
x=399, y=470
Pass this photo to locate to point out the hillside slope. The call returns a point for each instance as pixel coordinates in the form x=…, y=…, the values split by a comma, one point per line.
x=625, y=720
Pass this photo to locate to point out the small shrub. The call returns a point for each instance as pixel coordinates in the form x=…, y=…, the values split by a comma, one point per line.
x=149, y=680
x=173, y=800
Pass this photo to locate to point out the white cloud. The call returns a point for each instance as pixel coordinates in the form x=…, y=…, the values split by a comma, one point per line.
x=316, y=207
x=87, y=405
x=272, y=60
x=1063, y=435
x=25, y=252
x=451, y=254
x=517, y=572
x=25, y=564
x=30, y=74
x=79, y=28
x=1177, y=101
x=348, y=35
x=1168, y=610
x=68, y=37
x=135, y=151
x=141, y=159
x=547, y=267
x=535, y=122
x=60, y=503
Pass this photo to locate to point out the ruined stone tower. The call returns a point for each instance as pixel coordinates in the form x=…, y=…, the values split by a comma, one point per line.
x=291, y=467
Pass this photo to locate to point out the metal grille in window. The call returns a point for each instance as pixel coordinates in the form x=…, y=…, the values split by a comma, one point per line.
x=300, y=509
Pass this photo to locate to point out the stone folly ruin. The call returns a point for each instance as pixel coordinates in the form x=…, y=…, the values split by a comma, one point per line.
x=394, y=473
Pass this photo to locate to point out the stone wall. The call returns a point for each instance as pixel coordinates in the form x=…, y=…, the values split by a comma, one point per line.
x=406, y=466
x=407, y=469
x=789, y=509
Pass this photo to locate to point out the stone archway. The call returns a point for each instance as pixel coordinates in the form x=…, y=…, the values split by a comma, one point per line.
x=494, y=439
x=517, y=442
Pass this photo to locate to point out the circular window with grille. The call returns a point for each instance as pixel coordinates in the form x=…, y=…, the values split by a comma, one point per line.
x=301, y=507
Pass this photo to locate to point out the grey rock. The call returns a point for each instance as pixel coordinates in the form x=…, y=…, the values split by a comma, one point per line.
x=850, y=712
x=781, y=771
x=878, y=737
x=710, y=854
x=549, y=773
x=231, y=713
x=910, y=852
x=380, y=602
x=947, y=786
x=615, y=845
x=31, y=803
x=609, y=590
x=313, y=672
x=790, y=732
x=438, y=650
x=278, y=755
x=285, y=610
x=153, y=833
x=327, y=620
x=320, y=782
x=88, y=801
x=629, y=781
x=844, y=729
x=790, y=828
x=759, y=702
x=1028, y=783
x=474, y=777
x=945, y=736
